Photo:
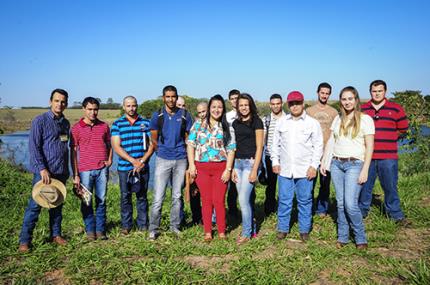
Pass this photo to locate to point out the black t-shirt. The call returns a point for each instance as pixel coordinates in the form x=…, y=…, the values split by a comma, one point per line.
x=245, y=137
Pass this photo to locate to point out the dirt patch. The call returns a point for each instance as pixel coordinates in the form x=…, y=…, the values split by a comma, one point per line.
x=323, y=279
x=409, y=244
x=211, y=264
x=425, y=202
x=269, y=252
x=56, y=277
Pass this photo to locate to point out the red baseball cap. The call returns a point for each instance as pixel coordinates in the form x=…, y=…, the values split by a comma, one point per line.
x=295, y=96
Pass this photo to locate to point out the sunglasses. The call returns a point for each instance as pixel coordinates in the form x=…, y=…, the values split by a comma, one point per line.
x=376, y=116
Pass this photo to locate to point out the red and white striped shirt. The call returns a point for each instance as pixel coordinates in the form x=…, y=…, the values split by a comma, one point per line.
x=93, y=143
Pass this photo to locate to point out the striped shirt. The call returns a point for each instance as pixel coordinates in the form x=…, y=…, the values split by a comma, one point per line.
x=48, y=144
x=269, y=128
x=390, y=120
x=131, y=136
x=93, y=143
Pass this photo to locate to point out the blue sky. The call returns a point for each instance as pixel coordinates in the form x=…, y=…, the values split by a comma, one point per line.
x=117, y=48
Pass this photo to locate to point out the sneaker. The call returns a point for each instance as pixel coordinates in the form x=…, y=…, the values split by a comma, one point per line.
x=176, y=232
x=281, y=235
x=362, y=246
x=101, y=236
x=124, y=231
x=59, y=240
x=304, y=237
x=254, y=235
x=23, y=248
x=91, y=236
x=404, y=222
x=152, y=236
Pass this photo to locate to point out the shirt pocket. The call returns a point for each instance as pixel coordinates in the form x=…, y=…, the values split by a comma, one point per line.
x=305, y=135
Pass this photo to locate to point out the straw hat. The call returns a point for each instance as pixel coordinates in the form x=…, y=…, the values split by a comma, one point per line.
x=49, y=195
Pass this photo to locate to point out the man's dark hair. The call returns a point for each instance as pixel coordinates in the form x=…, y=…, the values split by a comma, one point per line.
x=233, y=92
x=90, y=100
x=275, y=96
x=324, y=85
x=61, y=91
x=170, y=88
x=376, y=83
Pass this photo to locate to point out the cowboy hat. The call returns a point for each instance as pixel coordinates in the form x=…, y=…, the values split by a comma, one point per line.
x=49, y=195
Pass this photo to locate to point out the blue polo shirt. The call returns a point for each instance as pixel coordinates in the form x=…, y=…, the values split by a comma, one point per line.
x=131, y=136
x=174, y=146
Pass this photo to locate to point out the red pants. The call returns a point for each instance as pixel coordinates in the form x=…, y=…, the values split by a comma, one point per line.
x=212, y=191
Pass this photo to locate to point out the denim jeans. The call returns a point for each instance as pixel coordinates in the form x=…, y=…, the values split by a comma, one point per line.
x=165, y=171
x=141, y=200
x=302, y=187
x=243, y=168
x=95, y=179
x=345, y=179
x=31, y=215
x=323, y=193
x=387, y=172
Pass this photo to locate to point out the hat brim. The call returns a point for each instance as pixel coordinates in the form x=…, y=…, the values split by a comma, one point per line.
x=62, y=192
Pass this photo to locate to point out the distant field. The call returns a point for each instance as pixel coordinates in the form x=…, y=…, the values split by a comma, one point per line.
x=20, y=119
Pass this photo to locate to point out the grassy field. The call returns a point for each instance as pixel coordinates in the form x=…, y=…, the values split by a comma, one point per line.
x=395, y=256
x=12, y=120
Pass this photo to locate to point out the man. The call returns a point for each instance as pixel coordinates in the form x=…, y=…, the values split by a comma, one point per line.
x=390, y=120
x=91, y=139
x=130, y=140
x=195, y=203
x=324, y=114
x=270, y=121
x=180, y=103
x=296, y=153
x=169, y=128
x=231, y=116
x=49, y=158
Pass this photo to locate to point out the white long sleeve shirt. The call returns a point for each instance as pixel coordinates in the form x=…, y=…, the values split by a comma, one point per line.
x=297, y=145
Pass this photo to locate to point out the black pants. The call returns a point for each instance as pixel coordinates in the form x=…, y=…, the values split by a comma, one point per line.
x=232, y=198
x=195, y=204
x=270, y=204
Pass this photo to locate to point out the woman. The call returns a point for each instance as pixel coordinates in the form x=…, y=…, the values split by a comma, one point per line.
x=211, y=150
x=351, y=144
x=248, y=129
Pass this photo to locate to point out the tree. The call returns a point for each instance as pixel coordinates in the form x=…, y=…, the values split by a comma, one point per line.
x=417, y=156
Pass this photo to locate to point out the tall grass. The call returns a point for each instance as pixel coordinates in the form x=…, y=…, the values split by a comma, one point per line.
x=395, y=254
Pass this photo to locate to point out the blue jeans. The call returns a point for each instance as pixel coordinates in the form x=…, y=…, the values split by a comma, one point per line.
x=345, y=179
x=387, y=172
x=165, y=171
x=31, y=215
x=141, y=200
x=323, y=193
x=302, y=187
x=243, y=168
x=95, y=179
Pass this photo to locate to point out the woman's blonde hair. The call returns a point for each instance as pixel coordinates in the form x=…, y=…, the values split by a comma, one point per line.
x=354, y=124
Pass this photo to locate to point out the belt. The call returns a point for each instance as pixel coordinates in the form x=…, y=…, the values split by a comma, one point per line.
x=345, y=158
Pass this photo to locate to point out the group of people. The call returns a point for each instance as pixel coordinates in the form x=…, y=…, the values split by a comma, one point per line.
x=223, y=153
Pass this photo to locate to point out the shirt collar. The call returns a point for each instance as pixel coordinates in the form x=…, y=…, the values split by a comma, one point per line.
x=272, y=117
x=83, y=124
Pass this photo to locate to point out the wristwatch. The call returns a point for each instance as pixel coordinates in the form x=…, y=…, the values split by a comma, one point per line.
x=141, y=161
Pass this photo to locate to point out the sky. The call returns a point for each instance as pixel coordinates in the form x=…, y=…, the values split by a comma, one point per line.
x=111, y=49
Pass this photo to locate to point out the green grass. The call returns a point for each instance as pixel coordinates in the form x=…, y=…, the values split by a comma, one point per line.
x=395, y=254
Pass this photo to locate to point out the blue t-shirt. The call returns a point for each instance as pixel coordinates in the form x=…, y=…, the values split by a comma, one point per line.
x=174, y=146
x=131, y=139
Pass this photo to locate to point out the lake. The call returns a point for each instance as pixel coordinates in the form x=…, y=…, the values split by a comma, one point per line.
x=14, y=147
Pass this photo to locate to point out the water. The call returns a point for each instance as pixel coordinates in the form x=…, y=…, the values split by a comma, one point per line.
x=14, y=147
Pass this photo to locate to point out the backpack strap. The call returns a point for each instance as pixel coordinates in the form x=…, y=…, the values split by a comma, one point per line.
x=160, y=122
